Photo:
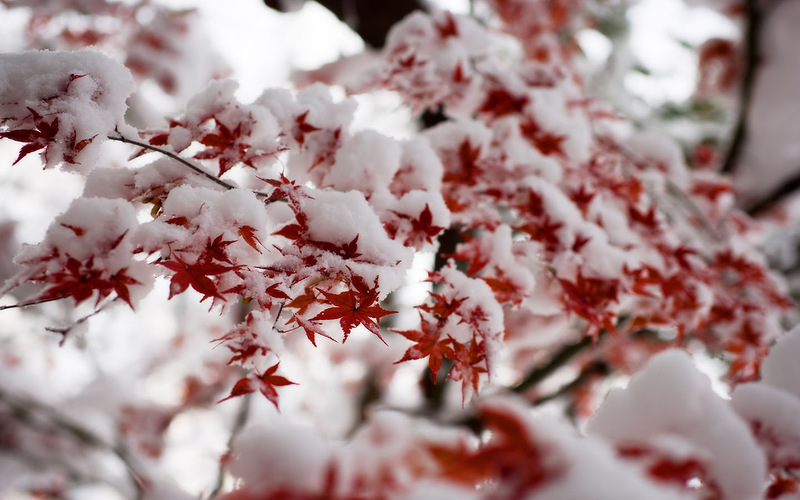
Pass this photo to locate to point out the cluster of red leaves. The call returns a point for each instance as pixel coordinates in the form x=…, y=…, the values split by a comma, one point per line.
x=44, y=135
x=431, y=341
x=67, y=276
x=512, y=458
x=689, y=473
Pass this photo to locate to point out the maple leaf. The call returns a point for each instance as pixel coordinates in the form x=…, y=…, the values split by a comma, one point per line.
x=80, y=281
x=216, y=250
x=355, y=307
x=590, y=298
x=448, y=27
x=423, y=226
x=196, y=275
x=264, y=383
x=467, y=368
x=302, y=127
x=248, y=235
x=500, y=102
x=39, y=138
x=545, y=232
x=72, y=148
x=426, y=345
x=311, y=329
x=467, y=171
x=345, y=251
x=224, y=146
x=442, y=307
x=512, y=457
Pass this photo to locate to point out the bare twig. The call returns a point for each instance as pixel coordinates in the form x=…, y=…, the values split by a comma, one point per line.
x=170, y=154
x=65, y=331
x=30, y=303
x=121, y=138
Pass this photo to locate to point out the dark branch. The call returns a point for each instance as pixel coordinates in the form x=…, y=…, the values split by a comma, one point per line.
x=183, y=161
x=752, y=59
x=774, y=197
x=559, y=359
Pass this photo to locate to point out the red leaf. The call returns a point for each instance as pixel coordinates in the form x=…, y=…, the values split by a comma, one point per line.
x=311, y=329
x=194, y=275
x=248, y=234
x=427, y=345
x=353, y=308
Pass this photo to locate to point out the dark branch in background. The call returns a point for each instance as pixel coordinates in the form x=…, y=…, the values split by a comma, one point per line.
x=26, y=408
x=752, y=60
x=65, y=331
x=371, y=19
x=774, y=197
x=597, y=368
x=558, y=360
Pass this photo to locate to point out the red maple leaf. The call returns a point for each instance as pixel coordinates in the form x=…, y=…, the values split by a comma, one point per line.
x=447, y=27
x=311, y=329
x=302, y=128
x=426, y=345
x=264, y=383
x=500, y=102
x=422, y=227
x=512, y=456
x=194, y=275
x=80, y=280
x=227, y=147
x=467, y=171
x=37, y=138
x=590, y=299
x=442, y=307
x=248, y=234
x=355, y=307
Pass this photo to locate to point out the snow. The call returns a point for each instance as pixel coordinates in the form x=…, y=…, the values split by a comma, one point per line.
x=90, y=105
x=367, y=161
x=339, y=217
x=670, y=397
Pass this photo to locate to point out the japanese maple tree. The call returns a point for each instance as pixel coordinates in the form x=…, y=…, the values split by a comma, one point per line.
x=255, y=264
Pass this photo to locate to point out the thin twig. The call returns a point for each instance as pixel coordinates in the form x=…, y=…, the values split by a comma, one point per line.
x=65, y=331
x=170, y=154
x=183, y=161
x=31, y=303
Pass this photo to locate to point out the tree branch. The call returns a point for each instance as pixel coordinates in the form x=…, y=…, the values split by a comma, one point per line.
x=752, y=60
x=183, y=161
x=559, y=359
